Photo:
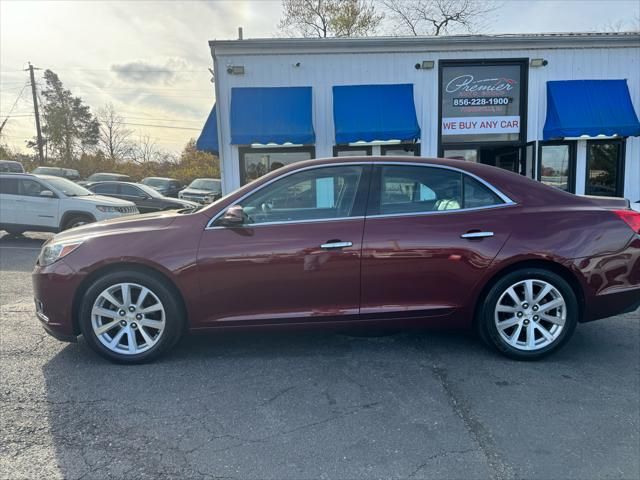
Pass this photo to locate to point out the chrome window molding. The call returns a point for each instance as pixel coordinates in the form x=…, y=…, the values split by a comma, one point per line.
x=289, y=222
x=507, y=201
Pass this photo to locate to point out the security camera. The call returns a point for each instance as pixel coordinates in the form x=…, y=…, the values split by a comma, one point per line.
x=229, y=69
x=418, y=66
x=545, y=63
x=297, y=64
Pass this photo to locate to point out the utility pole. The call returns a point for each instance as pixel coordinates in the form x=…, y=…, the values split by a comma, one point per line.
x=35, y=109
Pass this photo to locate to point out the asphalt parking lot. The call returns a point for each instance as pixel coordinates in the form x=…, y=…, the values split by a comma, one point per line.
x=309, y=405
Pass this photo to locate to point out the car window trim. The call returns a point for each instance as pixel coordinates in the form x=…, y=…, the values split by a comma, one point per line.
x=507, y=201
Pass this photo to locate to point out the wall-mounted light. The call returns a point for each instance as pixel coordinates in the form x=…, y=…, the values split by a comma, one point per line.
x=538, y=62
x=425, y=65
x=235, y=69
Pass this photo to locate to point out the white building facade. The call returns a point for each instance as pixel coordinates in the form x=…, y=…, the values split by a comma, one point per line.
x=559, y=108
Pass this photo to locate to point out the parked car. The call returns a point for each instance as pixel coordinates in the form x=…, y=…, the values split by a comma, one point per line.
x=169, y=187
x=105, y=177
x=147, y=199
x=68, y=173
x=10, y=166
x=636, y=206
x=51, y=204
x=367, y=241
x=202, y=190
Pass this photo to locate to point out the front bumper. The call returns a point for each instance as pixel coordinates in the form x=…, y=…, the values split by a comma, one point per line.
x=54, y=288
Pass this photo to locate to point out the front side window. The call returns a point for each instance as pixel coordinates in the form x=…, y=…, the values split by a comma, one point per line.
x=30, y=188
x=557, y=165
x=405, y=189
x=131, y=191
x=604, y=168
x=256, y=162
x=321, y=193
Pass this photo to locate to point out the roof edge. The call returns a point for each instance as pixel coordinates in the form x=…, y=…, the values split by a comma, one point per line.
x=453, y=42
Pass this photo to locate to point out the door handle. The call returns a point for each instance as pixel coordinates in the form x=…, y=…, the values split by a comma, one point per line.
x=476, y=234
x=330, y=245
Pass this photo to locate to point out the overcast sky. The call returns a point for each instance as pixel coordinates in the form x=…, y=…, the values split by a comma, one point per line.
x=150, y=58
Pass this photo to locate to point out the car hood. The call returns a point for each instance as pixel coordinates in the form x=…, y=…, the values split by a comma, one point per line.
x=104, y=200
x=126, y=224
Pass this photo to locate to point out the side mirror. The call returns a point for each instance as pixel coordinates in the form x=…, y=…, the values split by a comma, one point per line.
x=47, y=194
x=234, y=216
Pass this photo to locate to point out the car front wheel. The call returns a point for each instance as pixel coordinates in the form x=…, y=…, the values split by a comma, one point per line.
x=130, y=317
x=529, y=313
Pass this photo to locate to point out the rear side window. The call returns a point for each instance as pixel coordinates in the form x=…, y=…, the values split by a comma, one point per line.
x=477, y=195
x=9, y=186
x=131, y=191
x=405, y=189
x=409, y=189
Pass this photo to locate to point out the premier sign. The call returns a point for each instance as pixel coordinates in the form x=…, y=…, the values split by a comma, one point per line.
x=480, y=125
x=481, y=102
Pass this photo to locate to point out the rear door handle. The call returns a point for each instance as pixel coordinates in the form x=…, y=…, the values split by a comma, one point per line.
x=477, y=234
x=330, y=245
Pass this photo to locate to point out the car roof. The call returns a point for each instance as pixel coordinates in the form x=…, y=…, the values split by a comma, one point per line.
x=160, y=178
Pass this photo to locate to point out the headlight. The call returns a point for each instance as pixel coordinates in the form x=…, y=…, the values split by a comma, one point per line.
x=107, y=208
x=54, y=251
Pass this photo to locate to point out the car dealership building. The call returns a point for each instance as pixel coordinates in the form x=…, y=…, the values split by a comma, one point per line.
x=560, y=108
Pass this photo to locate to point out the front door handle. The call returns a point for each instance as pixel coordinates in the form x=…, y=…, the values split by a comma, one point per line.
x=476, y=234
x=331, y=244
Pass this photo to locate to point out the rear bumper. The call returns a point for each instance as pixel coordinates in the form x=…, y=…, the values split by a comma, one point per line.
x=54, y=288
x=614, y=303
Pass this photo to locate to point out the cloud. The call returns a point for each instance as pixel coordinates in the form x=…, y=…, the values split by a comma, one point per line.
x=144, y=72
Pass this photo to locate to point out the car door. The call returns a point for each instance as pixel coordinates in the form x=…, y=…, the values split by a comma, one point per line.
x=430, y=233
x=296, y=258
x=34, y=207
x=8, y=200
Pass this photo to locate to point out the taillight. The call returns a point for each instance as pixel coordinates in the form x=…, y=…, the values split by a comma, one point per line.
x=630, y=217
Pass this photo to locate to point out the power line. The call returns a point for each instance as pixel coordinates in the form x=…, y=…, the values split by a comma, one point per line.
x=13, y=106
x=161, y=126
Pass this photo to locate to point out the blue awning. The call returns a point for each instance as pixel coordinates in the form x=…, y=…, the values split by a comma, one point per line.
x=271, y=115
x=589, y=107
x=208, y=139
x=374, y=112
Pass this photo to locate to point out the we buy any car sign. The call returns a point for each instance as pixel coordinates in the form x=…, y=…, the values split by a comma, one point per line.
x=480, y=125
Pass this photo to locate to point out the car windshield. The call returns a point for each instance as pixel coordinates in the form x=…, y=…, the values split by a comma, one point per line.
x=152, y=192
x=155, y=182
x=206, y=184
x=67, y=187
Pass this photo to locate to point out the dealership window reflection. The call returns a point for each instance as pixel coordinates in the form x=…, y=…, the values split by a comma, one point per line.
x=256, y=162
x=556, y=166
x=604, y=168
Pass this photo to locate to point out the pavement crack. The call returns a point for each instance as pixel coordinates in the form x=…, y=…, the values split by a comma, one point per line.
x=438, y=455
x=499, y=469
x=278, y=395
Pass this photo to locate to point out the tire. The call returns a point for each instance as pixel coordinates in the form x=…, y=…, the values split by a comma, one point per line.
x=155, y=330
x=509, y=326
x=76, y=221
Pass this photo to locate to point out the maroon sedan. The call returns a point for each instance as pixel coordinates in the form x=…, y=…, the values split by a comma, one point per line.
x=345, y=242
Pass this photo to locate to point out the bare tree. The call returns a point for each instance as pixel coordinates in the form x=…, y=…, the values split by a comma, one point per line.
x=145, y=151
x=329, y=18
x=438, y=17
x=115, y=138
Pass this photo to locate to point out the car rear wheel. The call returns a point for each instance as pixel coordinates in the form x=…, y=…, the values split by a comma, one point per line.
x=130, y=317
x=529, y=313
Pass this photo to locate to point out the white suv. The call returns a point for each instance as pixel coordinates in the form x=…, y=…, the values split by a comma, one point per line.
x=50, y=204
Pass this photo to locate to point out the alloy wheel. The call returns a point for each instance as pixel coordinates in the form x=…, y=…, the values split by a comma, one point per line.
x=530, y=315
x=128, y=318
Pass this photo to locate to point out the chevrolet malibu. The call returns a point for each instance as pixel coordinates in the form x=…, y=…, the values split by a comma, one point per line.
x=349, y=242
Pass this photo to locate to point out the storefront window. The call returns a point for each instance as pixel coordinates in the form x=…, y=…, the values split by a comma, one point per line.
x=256, y=162
x=468, y=155
x=604, y=168
x=351, y=151
x=557, y=165
x=401, y=150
